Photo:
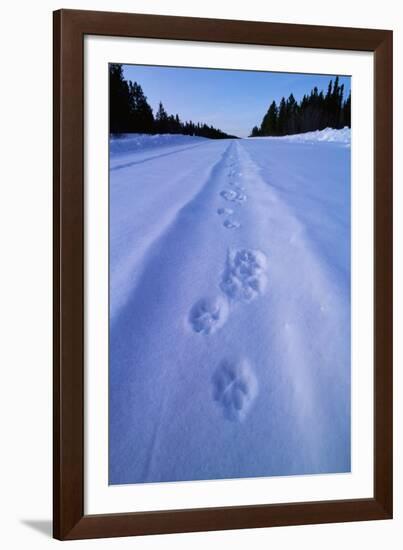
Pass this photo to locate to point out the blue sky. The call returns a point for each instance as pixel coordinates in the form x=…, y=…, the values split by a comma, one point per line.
x=233, y=101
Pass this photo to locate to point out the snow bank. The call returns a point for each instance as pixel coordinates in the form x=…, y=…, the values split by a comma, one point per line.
x=131, y=143
x=328, y=134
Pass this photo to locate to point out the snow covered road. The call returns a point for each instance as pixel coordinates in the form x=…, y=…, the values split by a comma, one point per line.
x=229, y=309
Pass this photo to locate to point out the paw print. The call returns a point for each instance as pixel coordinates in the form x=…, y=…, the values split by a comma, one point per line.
x=234, y=388
x=208, y=314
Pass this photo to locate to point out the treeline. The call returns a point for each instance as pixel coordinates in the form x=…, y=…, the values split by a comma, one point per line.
x=314, y=112
x=130, y=112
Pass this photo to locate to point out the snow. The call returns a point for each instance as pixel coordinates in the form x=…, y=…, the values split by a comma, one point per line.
x=328, y=134
x=229, y=307
x=145, y=147
x=131, y=143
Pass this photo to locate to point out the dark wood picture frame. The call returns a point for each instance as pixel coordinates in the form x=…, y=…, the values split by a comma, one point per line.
x=70, y=27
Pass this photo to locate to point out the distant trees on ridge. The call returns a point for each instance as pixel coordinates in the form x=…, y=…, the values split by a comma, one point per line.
x=129, y=112
x=315, y=111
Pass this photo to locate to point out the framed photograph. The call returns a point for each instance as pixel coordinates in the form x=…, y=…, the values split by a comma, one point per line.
x=222, y=274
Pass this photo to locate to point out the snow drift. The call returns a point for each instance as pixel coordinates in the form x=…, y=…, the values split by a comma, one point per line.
x=328, y=134
x=132, y=143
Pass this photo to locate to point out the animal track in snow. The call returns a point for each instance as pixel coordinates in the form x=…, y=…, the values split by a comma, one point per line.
x=233, y=196
x=234, y=388
x=238, y=189
x=222, y=211
x=231, y=224
x=240, y=196
x=244, y=276
x=228, y=195
x=208, y=314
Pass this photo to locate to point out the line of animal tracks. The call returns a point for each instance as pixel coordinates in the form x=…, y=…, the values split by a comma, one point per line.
x=243, y=278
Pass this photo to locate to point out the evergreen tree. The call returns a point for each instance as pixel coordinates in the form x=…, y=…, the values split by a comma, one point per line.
x=141, y=114
x=119, y=109
x=317, y=118
x=319, y=121
x=282, y=117
x=269, y=122
x=161, y=120
x=290, y=125
x=340, y=95
x=346, y=112
x=328, y=104
x=178, y=124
